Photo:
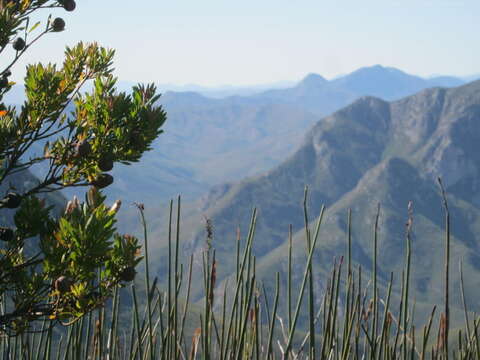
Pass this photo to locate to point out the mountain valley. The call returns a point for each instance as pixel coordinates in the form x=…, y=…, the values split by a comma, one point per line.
x=370, y=153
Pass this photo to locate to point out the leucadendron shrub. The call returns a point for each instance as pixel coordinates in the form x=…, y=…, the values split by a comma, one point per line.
x=58, y=267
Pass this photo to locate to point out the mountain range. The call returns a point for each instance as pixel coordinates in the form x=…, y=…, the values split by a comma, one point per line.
x=368, y=153
x=376, y=136
x=210, y=141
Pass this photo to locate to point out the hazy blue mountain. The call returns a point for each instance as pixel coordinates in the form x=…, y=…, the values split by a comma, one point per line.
x=208, y=141
x=16, y=94
x=471, y=77
x=448, y=81
x=323, y=97
x=367, y=153
x=226, y=90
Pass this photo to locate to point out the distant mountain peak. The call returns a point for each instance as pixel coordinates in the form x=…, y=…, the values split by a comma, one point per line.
x=313, y=80
x=189, y=98
x=379, y=69
x=375, y=67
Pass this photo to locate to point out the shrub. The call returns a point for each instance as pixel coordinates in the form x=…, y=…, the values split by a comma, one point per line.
x=62, y=267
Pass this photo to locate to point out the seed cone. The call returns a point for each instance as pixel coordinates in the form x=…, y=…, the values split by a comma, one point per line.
x=3, y=82
x=12, y=200
x=105, y=164
x=58, y=24
x=103, y=180
x=128, y=274
x=6, y=234
x=82, y=149
x=69, y=5
x=63, y=284
x=19, y=44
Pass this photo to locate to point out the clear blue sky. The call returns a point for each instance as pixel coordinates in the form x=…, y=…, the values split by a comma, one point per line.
x=213, y=42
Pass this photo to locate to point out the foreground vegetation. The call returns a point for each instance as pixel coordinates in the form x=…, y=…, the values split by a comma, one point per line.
x=356, y=318
x=59, y=268
x=78, y=267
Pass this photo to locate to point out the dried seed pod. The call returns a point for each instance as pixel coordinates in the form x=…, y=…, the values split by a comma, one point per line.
x=103, y=180
x=63, y=284
x=12, y=200
x=58, y=24
x=82, y=149
x=69, y=5
x=105, y=163
x=19, y=44
x=128, y=274
x=3, y=82
x=6, y=234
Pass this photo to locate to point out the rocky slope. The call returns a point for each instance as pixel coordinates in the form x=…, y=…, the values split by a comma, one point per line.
x=368, y=153
x=211, y=141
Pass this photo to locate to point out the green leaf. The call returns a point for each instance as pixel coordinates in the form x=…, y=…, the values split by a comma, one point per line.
x=34, y=27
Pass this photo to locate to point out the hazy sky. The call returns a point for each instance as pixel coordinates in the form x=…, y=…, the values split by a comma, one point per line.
x=213, y=42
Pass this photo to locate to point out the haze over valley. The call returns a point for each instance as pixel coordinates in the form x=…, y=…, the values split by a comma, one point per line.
x=211, y=141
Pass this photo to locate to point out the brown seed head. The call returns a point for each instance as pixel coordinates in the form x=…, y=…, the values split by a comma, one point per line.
x=19, y=44
x=12, y=200
x=6, y=234
x=82, y=149
x=103, y=180
x=128, y=274
x=105, y=164
x=69, y=5
x=58, y=24
x=63, y=284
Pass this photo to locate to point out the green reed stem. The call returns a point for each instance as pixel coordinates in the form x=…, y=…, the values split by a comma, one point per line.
x=447, y=268
x=269, y=354
x=147, y=283
x=311, y=300
x=302, y=288
x=375, y=287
